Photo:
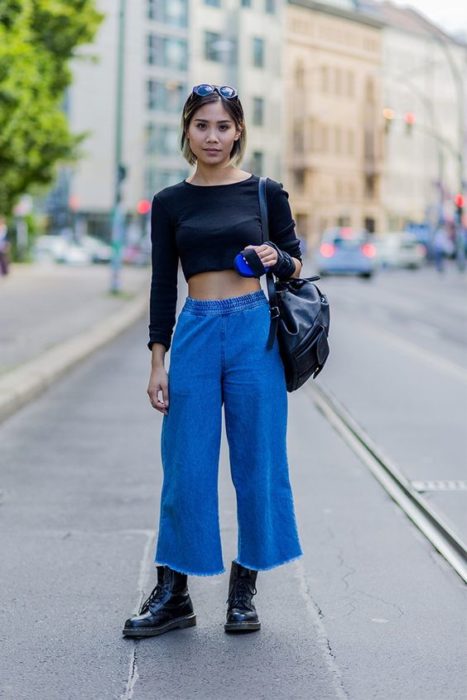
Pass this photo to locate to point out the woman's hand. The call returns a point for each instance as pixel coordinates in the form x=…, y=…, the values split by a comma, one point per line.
x=266, y=253
x=159, y=382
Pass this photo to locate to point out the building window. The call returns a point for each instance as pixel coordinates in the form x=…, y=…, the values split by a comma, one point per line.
x=165, y=96
x=171, y=12
x=270, y=6
x=298, y=136
x=258, y=52
x=258, y=111
x=212, y=42
x=156, y=179
x=370, y=186
x=213, y=3
x=150, y=141
x=299, y=179
x=337, y=139
x=324, y=78
x=299, y=75
x=162, y=139
x=337, y=81
x=167, y=52
x=151, y=8
x=257, y=162
x=350, y=84
x=246, y=3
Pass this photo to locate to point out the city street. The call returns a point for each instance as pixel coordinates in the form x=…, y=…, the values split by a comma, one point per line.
x=371, y=610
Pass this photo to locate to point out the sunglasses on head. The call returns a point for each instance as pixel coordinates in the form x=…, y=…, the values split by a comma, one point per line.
x=223, y=90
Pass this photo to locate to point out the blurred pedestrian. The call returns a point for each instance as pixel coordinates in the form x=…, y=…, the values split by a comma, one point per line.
x=4, y=248
x=442, y=247
x=218, y=357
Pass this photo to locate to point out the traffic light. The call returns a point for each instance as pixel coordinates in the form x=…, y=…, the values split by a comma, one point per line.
x=409, y=118
x=388, y=115
x=459, y=201
x=122, y=172
x=144, y=206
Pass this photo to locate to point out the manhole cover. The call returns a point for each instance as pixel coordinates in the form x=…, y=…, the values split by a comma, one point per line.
x=440, y=485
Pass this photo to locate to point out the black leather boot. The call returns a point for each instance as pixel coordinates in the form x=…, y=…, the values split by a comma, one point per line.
x=169, y=606
x=241, y=613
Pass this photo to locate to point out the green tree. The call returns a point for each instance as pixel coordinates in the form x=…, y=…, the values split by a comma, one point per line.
x=38, y=39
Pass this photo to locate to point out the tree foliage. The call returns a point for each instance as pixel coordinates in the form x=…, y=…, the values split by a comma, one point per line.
x=38, y=38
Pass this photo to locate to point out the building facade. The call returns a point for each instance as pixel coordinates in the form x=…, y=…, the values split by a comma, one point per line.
x=334, y=147
x=170, y=45
x=424, y=93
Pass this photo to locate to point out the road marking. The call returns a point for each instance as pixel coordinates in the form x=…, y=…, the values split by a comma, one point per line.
x=440, y=485
x=438, y=532
x=322, y=637
x=143, y=576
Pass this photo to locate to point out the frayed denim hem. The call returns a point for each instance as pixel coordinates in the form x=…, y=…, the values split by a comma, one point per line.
x=189, y=573
x=268, y=568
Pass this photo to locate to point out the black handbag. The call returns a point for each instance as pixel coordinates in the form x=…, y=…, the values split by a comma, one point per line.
x=299, y=317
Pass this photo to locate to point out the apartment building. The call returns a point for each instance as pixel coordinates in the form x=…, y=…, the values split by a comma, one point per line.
x=334, y=148
x=170, y=45
x=424, y=88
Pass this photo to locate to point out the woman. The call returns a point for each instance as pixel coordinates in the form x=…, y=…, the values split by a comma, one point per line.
x=218, y=356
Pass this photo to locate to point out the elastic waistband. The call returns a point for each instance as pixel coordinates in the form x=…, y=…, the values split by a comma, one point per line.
x=203, y=307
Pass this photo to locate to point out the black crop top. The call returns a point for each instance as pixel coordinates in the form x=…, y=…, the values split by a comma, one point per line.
x=206, y=226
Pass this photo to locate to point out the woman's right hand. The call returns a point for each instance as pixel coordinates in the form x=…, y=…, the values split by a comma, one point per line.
x=159, y=383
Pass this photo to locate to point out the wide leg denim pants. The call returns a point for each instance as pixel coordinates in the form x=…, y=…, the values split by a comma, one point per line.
x=219, y=357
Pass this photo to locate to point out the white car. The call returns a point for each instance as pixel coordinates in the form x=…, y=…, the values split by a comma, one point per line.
x=61, y=250
x=399, y=249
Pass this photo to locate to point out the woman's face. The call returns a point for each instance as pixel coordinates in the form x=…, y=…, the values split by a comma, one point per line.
x=212, y=133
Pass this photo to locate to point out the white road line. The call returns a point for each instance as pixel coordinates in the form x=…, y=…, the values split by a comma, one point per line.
x=144, y=571
x=321, y=635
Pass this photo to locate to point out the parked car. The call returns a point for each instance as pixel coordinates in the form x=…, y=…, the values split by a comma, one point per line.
x=97, y=250
x=346, y=251
x=49, y=248
x=61, y=249
x=399, y=249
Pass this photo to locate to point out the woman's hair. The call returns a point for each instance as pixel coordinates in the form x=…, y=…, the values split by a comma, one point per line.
x=235, y=110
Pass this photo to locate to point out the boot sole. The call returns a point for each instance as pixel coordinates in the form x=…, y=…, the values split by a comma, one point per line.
x=179, y=623
x=234, y=627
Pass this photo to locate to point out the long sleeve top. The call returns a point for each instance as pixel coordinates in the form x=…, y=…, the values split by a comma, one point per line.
x=205, y=227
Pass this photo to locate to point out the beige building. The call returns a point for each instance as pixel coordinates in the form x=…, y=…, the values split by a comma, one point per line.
x=424, y=81
x=333, y=154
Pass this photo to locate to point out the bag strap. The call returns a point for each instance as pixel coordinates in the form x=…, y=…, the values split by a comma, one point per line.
x=273, y=304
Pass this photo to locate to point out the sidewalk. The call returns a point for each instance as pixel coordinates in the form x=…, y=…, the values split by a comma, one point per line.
x=52, y=316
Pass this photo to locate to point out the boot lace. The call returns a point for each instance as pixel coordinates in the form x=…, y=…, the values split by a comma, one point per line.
x=156, y=596
x=241, y=594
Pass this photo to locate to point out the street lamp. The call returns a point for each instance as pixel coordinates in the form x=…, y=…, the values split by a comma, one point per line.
x=118, y=224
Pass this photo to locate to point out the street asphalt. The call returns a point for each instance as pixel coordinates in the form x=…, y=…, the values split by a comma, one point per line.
x=370, y=611
x=399, y=365
x=54, y=316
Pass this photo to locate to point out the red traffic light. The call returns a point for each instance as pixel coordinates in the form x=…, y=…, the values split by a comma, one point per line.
x=459, y=201
x=144, y=206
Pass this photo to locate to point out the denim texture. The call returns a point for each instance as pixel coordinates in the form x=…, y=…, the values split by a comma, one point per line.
x=219, y=357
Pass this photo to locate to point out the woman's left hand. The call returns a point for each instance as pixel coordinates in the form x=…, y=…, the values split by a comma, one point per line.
x=266, y=253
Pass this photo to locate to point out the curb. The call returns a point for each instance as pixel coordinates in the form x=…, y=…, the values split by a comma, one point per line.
x=22, y=385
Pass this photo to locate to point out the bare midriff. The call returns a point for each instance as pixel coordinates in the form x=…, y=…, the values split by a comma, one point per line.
x=221, y=284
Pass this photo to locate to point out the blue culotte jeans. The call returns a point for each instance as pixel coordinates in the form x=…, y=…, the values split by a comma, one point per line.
x=219, y=356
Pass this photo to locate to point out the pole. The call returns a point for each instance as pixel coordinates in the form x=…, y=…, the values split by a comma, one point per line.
x=118, y=224
x=458, y=80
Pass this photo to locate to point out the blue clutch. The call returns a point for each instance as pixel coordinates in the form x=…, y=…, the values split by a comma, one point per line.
x=243, y=267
